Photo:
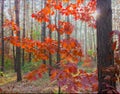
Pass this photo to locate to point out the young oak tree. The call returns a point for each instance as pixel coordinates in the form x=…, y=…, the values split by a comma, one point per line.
x=68, y=73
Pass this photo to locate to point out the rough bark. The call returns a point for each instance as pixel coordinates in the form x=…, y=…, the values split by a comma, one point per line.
x=104, y=52
x=18, y=50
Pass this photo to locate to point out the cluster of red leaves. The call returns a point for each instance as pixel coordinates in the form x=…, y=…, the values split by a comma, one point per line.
x=13, y=40
x=116, y=49
x=70, y=49
x=74, y=79
x=40, y=50
x=63, y=27
x=87, y=61
x=81, y=13
x=109, y=89
x=43, y=15
x=77, y=10
x=116, y=46
x=12, y=25
x=113, y=69
x=35, y=74
x=69, y=77
x=68, y=74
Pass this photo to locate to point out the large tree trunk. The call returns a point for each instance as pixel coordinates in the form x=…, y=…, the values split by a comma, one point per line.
x=18, y=50
x=105, y=56
x=2, y=36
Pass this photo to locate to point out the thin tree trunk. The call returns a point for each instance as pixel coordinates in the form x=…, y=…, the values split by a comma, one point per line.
x=58, y=49
x=13, y=48
x=50, y=55
x=43, y=33
x=30, y=54
x=68, y=20
x=85, y=40
x=18, y=50
x=24, y=18
x=2, y=36
x=76, y=30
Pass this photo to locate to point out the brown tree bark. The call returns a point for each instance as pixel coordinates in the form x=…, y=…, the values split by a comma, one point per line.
x=105, y=56
x=18, y=50
x=43, y=33
x=13, y=47
x=23, y=51
x=50, y=55
x=30, y=54
x=2, y=36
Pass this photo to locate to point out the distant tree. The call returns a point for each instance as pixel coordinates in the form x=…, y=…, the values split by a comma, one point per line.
x=43, y=33
x=50, y=55
x=13, y=47
x=30, y=54
x=23, y=36
x=18, y=50
x=2, y=36
x=105, y=56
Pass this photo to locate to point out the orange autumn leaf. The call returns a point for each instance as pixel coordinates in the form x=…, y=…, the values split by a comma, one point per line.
x=52, y=27
x=49, y=1
x=68, y=27
x=66, y=70
x=94, y=87
x=80, y=1
x=58, y=7
x=65, y=1
x=47, y=10
x=52, y=12
x=42, y=68
x=53, y=74
x=12, y=25
x=31, y=75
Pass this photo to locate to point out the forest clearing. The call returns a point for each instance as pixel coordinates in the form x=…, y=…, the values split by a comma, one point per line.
x=60, y=46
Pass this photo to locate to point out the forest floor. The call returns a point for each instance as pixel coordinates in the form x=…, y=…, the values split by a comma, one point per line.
x=8, y=84
x=25, y=86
